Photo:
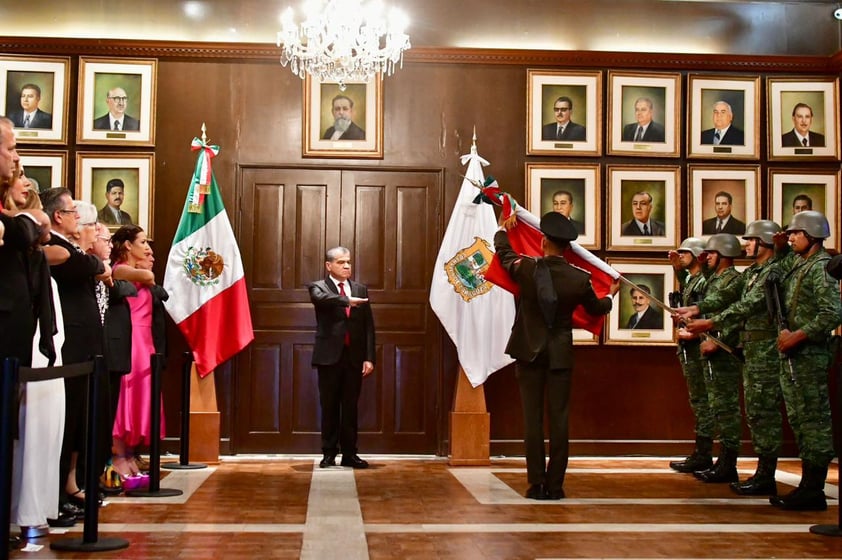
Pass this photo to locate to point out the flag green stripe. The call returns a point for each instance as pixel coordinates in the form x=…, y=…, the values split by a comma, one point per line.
x=192, y=221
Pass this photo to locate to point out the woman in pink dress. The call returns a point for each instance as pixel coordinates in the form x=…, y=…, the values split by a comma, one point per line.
x=131, y=256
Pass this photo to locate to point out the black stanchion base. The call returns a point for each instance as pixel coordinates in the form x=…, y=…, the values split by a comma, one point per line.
x=827, y=530
x=160, y=493
x=179, y=466
x=79, y=545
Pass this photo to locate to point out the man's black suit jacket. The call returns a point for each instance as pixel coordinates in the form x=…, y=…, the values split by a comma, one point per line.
x=126, y=123
x=651, y=319
x=332, y=324
x=653, y=133
x=733, y=137
x=733, y=225
x=77, y=290
x=118, y=325
x=40, y=119
x=573, y=132
x=790, y=140
x=353, y=133
x=631, y=228
x=106, y=216
x=17, y=321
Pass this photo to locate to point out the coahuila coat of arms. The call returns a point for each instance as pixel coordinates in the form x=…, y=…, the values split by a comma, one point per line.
x=203, y=266
x=466, y=270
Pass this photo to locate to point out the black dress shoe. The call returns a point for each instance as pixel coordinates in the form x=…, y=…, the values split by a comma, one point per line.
x=536, y=492
x=555, y=494
x=70, y=509
x=14, y=543
x=327, y=461
x=353, y=461
x=63, y=520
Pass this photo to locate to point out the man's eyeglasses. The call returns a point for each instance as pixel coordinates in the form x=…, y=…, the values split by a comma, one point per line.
x=104, y=238
x=119, y=99
x=73, y=210
x=561, y=109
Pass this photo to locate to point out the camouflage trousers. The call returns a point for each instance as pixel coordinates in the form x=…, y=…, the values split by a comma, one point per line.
x=762, y=394
x=692, y=365
x=807, y=401
x=722, y=373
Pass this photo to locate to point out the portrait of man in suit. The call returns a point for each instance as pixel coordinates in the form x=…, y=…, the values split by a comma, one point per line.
x=642, y=223
x=111, y=214
x=644, y=129
x=344, y=127
x=30, y=114
x=801, y=135
x=116, y=118
x=563, y=204
x=563, y=129
x=644, y=316
x=724, y=132
x=724, y=221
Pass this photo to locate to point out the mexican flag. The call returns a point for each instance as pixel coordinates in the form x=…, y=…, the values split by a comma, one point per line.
x=204, y=275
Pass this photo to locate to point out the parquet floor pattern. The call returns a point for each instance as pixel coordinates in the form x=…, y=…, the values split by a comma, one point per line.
x=275, y=507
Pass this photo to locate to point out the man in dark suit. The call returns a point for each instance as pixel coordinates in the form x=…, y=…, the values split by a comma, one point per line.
x=344, y=353
x=563, y=204
x=30, y=115
x=801, y=135
x=111, y=214
x=724, y=221
x=644, y=316
x=542, y=345
x=723, y=133
x=343, y=121
x=563, y=128
x=116, y=118
x=642, y=224
x=76, y=281
x=645, y=129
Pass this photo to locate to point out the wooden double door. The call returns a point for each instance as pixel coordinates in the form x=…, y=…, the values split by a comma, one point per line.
x=390, y=220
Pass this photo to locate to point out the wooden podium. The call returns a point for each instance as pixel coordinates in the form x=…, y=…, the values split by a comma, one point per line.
x=204, y=419
x=470, y=425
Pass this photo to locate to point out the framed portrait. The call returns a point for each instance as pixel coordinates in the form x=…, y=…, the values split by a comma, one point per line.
x=643, y=114
x=643, y=205
x=803, y=118
x=343, y=123
x=723, y=199
x=563, y=112
x=34, y=93
x=635, y=318
x=795, y=190
x=570, y=189
x=116, y=101
x=723, y=117
x=582, y=337
x=120, y=185
x=46, y=169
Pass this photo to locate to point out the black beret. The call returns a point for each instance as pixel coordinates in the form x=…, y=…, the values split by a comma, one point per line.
x=834, y=267
x=114, y=183
x=557, y=227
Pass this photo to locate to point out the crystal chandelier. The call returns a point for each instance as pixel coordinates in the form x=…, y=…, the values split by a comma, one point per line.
x=343, y=40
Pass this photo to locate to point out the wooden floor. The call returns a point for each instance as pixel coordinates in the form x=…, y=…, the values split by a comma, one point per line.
x=420, y=507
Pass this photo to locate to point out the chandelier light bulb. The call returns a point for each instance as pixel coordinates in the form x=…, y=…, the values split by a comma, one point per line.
x=343, y=40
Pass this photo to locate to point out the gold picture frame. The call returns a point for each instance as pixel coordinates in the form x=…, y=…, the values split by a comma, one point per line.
x=722, y=98
x=651, y=326
x=45, y=83
x=658, y=95
x=790, y=100
x=821, y=187
x=46, y=168
x=738, y=185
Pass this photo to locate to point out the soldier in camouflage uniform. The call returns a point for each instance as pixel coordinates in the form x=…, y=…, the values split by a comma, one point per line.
x=722, y=370
x=690, y=271
x=813, y=310
x=761, y=386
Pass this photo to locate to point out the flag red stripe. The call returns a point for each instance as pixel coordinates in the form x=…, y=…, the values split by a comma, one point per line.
x=220, y=328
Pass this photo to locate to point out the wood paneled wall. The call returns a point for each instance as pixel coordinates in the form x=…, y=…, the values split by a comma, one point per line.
x=625, y=399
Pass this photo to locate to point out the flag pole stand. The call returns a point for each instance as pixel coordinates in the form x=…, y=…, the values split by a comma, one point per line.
x=204, y=418
x=470, y=425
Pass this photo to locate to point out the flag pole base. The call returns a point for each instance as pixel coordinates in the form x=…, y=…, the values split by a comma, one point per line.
x=470, y=425
x=99, y=545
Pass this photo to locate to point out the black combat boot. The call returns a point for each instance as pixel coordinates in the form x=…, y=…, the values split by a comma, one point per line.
x=763, y=481
x=699, y=460
x=725, y=469
x=809, y=496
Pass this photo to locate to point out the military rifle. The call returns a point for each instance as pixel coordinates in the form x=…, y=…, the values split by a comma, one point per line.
x=775, y=308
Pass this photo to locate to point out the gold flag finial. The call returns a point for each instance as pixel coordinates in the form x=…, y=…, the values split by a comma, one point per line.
x=204, y=135
x=474, y=139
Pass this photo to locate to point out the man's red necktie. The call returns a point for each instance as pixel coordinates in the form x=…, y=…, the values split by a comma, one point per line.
x=347, y=314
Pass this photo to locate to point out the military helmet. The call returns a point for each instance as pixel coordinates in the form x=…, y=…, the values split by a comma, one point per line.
x=726, y=244
x=762, y=230
x=695, y=245
x=810, y=222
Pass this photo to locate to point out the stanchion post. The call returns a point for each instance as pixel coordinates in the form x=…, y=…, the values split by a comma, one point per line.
x=8, y=386
x=154, y=490
x=184, y=448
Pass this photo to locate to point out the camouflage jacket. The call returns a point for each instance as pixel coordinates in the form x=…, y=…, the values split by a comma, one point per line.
x=722, y=290
x=750, y=312
x=811, y=296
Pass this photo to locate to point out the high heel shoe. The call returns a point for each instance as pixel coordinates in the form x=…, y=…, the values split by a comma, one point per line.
x=135, y=482
x=77, y=499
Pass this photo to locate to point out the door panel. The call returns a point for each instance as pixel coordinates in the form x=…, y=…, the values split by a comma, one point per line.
x=390, y=221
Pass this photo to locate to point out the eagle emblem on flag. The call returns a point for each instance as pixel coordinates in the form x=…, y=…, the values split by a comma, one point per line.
x=466, y=269
x=203, y=266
